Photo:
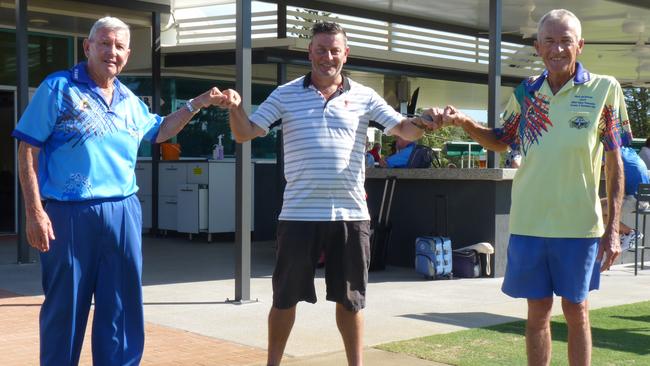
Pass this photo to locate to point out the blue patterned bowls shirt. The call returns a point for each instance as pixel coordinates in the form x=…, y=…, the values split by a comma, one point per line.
x=88, y=149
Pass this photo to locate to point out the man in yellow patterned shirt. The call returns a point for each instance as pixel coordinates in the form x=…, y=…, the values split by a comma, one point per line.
x=561, y=121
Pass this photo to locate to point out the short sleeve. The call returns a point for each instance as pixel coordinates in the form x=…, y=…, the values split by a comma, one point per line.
x=399, y=159
x=269, y=111
x=508, y=132
x=149, y=123
x=382, y=113
x=38, y=121
x=614, y=125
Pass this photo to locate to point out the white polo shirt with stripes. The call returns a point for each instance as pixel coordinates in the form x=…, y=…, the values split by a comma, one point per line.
x=324, y=147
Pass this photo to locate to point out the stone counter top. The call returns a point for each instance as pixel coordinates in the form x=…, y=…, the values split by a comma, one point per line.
x=443, y=174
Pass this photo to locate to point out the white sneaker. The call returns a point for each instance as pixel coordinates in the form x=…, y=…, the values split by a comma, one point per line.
x=628, y=241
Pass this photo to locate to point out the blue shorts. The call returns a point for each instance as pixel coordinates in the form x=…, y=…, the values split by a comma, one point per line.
x=538, y=267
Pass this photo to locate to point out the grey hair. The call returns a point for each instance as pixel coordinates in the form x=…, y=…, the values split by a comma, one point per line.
x=110, y=23
x=557, y=15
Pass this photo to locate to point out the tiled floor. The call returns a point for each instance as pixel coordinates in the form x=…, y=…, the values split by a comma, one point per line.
x=19, y=342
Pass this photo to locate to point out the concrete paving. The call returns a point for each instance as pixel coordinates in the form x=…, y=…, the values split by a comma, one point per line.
x=188, y=285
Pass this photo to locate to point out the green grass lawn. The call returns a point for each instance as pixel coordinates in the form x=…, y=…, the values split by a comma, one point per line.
x=621, y=336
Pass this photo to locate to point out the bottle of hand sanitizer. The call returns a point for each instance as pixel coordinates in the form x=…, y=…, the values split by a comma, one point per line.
x=217, y=153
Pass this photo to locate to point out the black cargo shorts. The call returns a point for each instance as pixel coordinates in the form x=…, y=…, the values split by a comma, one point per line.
x=346, y=245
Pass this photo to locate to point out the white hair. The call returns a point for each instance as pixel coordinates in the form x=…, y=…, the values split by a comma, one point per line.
x=110, y=23
x=560, y=15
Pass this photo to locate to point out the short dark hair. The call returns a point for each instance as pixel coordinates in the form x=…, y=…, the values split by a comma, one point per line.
x=647, y=142
x=328, y=28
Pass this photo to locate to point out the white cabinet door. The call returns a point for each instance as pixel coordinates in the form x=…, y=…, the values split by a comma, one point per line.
x=171, y=175
x=188, y=209
x=221, y=198
x=167, y=212
x=143, y=177
x=198, y=173
x=145, y=204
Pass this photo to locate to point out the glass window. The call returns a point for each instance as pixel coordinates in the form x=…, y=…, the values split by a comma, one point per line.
x=46, y=54
x=201, y=134
x=81, y=56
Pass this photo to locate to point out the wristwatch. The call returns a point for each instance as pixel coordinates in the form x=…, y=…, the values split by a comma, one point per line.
x=190, y=107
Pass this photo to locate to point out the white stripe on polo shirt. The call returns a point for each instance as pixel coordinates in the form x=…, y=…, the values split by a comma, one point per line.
x=324, y=147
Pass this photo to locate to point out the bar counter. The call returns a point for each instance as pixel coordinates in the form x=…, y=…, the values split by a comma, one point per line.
x=478, y=208
x=443, y=174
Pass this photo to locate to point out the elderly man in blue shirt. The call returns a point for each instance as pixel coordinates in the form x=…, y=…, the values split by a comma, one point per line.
x=79, y=139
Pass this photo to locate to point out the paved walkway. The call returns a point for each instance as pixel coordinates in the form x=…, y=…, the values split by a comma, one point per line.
x=163, y=345
x=190, y=321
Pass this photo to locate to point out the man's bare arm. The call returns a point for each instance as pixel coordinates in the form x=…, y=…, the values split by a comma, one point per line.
x=483, y=135
x=174, y=122
x=610, y=247
x=38, y=226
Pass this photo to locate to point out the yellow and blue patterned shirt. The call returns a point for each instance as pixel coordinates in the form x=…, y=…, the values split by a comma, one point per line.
x=561, y=137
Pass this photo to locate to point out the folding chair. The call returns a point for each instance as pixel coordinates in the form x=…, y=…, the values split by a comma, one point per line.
x=643, y=195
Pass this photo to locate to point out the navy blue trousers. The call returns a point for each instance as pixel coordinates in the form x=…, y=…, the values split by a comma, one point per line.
x=97, y=252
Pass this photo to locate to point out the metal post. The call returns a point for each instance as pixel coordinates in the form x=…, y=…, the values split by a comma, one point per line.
x=155, y=108
x=243, y=184
x=281, y=78
x=22, y=95
x=494, y=74
x=282, y=19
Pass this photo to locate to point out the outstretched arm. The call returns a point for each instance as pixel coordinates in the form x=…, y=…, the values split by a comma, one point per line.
x=174, y=122
x=242, y=128
x=413, y=128
x=483, y=135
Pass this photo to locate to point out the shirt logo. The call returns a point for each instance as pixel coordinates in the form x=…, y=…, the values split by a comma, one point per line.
x=83, y=104
x=579, y=122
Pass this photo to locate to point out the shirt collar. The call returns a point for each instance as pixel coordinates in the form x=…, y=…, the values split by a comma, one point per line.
x=345, y=86
x=582, y=76
x=80, y=75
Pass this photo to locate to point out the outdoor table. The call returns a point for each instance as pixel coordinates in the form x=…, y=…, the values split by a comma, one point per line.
x=462, y=148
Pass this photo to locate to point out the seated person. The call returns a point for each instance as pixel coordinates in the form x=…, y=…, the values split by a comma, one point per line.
x=370, y=160
x=645, y=152
x=376, y=151
x=636, y=173
x=401, y=157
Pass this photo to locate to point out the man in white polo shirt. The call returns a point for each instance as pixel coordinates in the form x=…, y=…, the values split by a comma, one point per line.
x=324, y=122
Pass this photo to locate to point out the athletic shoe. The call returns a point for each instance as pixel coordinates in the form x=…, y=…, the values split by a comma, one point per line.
x=628, y=241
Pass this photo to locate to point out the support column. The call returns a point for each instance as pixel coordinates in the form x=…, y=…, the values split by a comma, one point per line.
x=22, y=95
x=155, y=108
x=243, y=182
x=494, y=74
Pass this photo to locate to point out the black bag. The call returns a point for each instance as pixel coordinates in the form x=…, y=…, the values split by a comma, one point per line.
x=421, y=157
x=381, y=228
x=466, y=263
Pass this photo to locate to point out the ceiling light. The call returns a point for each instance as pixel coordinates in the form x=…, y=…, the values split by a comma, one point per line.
x=631, y=26
x=39, y=21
